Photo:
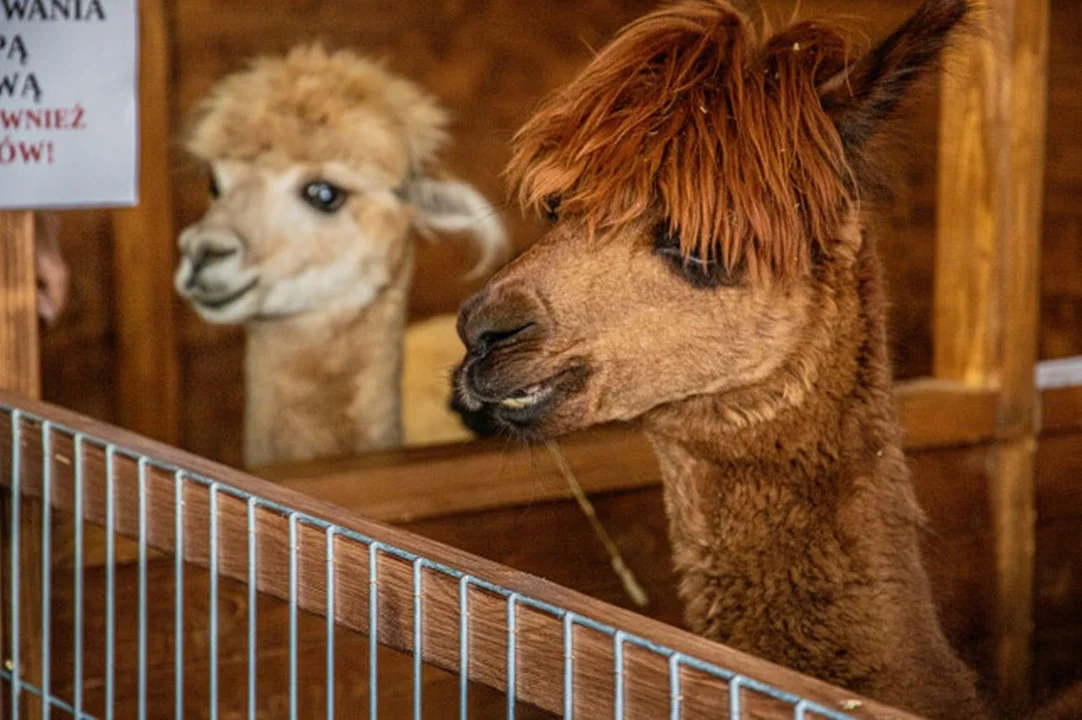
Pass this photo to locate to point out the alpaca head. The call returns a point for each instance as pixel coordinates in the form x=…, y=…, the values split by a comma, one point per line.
x=320, y=163
x=703, y=182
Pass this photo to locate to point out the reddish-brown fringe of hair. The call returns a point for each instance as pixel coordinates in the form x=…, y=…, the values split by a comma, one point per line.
x=692, y=115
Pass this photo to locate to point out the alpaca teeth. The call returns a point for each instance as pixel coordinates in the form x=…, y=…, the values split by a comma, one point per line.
x=531, y=397
x=518, y=403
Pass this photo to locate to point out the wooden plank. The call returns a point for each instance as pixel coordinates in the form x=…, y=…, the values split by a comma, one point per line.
x=963, y=567
x=439, y=688
x=20, y=361
x=1020, y=246
x=1014, y=493
x=991, y=173
x=20, y=371
x=937, y=413
x=538, y=632
x=1059, y=494
x=412, y=483
x=148, y=376
x=1058, y=585
x=1014, y=517
x=408, y=484
x=1061, y=411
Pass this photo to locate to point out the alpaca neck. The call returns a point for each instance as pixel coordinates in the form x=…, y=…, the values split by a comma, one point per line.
x=326, y=384
x=794, y=525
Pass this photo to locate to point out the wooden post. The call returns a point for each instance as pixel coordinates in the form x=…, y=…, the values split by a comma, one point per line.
x=987, y=304
x=148, y=376
x=20, y=358
x=20, y=370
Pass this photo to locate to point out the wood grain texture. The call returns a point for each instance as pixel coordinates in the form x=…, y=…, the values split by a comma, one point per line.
x=539, y=648
x=1014, y=491
x=412, y=483
x=20, y=371
x=1061, y=411
x=147, y=381
x=990, y=203
x=20, y=364
x=439, y=687
x=1058, y=562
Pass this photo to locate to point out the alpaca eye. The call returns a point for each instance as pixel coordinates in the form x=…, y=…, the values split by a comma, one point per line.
x=323, y=196
x=551, y=209
x=215, y=191
x=697, y=271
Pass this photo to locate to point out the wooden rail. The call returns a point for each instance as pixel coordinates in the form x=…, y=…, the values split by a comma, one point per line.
x=538, y=633
x=405, y=485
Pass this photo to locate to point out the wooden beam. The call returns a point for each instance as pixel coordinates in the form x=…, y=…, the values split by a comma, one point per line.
x=20, y=363
x=148, y=376
x=412, y=483
x=944, y=413
x=20, y=371
x=538, y=631
x=991, y=172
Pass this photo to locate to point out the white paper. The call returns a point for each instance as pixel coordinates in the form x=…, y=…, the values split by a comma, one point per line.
x=68, y=103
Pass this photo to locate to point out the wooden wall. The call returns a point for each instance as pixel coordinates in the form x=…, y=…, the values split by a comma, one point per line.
x=491, y=62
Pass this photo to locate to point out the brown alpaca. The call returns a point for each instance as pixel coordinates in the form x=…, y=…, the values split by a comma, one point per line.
x=322, y=165
x=707, y=273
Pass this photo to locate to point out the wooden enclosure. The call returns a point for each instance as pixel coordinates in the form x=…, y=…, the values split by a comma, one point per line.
x=982, y=242
x=551, y=649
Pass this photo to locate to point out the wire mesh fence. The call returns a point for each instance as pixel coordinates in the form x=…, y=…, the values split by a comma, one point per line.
x=152, y=586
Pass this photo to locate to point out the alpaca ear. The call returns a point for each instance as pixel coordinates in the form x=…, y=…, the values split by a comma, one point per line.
x=452, y=206
x=867, y=91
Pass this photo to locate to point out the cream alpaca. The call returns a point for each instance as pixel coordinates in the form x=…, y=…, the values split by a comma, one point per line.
x=321, y=165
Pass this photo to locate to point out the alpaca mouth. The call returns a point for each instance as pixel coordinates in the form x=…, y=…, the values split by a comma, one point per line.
x=530, y=396
x=523, y=412
x=217, y=303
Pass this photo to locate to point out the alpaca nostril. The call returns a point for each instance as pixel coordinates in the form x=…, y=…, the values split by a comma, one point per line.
x=496, y=317
x=205, y=255
x=491, y=338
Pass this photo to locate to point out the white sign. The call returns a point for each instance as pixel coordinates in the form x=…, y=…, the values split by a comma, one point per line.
x=68, y=103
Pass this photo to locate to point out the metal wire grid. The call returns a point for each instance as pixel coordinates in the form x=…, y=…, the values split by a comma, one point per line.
x=12, y=673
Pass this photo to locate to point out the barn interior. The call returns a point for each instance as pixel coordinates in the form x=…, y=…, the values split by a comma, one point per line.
x=996, y=458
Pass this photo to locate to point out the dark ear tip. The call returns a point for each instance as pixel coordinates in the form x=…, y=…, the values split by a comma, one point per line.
x=948, y=15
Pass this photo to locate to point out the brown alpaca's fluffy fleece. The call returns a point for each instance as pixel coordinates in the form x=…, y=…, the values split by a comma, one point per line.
x=308, y=104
